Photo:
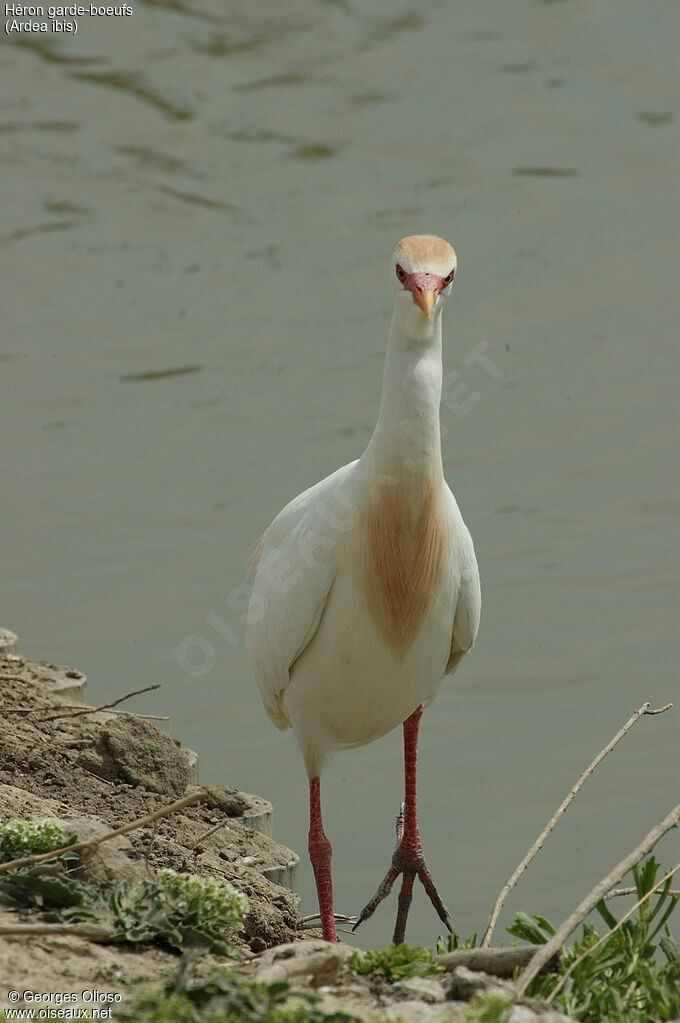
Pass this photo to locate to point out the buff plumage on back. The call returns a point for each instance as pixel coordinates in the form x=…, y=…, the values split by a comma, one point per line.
x=427, y=250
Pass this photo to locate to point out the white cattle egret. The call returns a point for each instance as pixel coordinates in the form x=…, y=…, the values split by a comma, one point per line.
x=366, y=590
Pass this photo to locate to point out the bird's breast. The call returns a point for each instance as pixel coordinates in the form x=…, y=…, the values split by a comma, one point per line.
x=405, y=546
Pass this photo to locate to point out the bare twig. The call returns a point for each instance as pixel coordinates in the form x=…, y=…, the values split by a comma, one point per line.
x=314, y=920
x=562, y=808
x=605, y=937
x=581, y=912
x=93, y=931
x=146, y=717
x=141, y=822
x=207, y=834
x=87, y=770
x=104, y=706
x=615, y=893
x=56, y=706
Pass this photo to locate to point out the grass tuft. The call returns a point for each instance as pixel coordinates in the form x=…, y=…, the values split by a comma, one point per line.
x=488, y=1007
x=224, y=998
x=628, y=976
x=396, y=962
x=179, y=910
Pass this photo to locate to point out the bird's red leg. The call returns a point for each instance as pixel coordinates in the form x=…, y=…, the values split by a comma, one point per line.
x=408, y=856
x=320, y=854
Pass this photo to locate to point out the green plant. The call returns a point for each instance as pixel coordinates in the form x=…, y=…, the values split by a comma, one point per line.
x=396, y=962
x=626, y=977
x=453, y=943
x=181, y=910
x=214, y=898
x=225, y=998
x=488, y=1007
x=26, y=838
x=153, y=1005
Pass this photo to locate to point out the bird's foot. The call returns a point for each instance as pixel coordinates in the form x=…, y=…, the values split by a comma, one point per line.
x=407, y=861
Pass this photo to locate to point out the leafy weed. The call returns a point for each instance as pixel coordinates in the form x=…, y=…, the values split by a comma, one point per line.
x=630, y=977
x=396, y=962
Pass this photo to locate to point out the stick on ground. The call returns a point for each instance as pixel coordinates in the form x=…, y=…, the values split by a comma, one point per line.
x=180, y=804
x=94, y=932
x=497, y=962
x=70, y=713
x=323, y=966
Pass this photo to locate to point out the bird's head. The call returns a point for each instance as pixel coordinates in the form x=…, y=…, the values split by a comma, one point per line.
x=423, y=269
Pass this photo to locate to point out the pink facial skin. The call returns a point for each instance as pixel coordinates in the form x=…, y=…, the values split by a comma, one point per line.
x=424, y=288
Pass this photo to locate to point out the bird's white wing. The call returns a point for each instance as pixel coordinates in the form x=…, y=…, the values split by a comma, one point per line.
x=469, y=605
x=294, y=577
x=466, y=618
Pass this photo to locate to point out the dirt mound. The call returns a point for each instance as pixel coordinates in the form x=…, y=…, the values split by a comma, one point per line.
x=102, y=770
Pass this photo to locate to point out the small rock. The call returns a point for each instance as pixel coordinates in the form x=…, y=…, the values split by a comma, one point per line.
x=309, y=946
x=229, y=800
x=356, y=1009
x=9, y=642
x=266, y=926
x=425, y=988
x=419, y=1012
x=113, y=859
x=464, y=984
x=523, y=1014
x=132, y=750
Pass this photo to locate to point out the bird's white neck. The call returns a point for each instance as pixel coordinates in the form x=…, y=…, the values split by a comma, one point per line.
x=406, y=441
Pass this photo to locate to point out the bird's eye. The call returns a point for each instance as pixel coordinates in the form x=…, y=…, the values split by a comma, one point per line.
x=401, y=273
x=448, y=279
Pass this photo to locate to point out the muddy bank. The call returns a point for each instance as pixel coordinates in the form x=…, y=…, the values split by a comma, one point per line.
x=112, y=768
x=97, y=770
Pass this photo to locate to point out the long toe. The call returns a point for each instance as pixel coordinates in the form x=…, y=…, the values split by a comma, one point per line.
x=435, y=899
x=409, y=864
x=384, y=889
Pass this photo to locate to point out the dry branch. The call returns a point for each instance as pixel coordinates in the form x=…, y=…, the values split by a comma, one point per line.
x=165, y=811
x=498, y=962
x=314, y=919
x=548, y=950
x=104, y=706
x=608, y=935
x=207, y=834
x=145, y=717
x=562, y=808
x=95, y=932
x=615, y=893
x=323, y=967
